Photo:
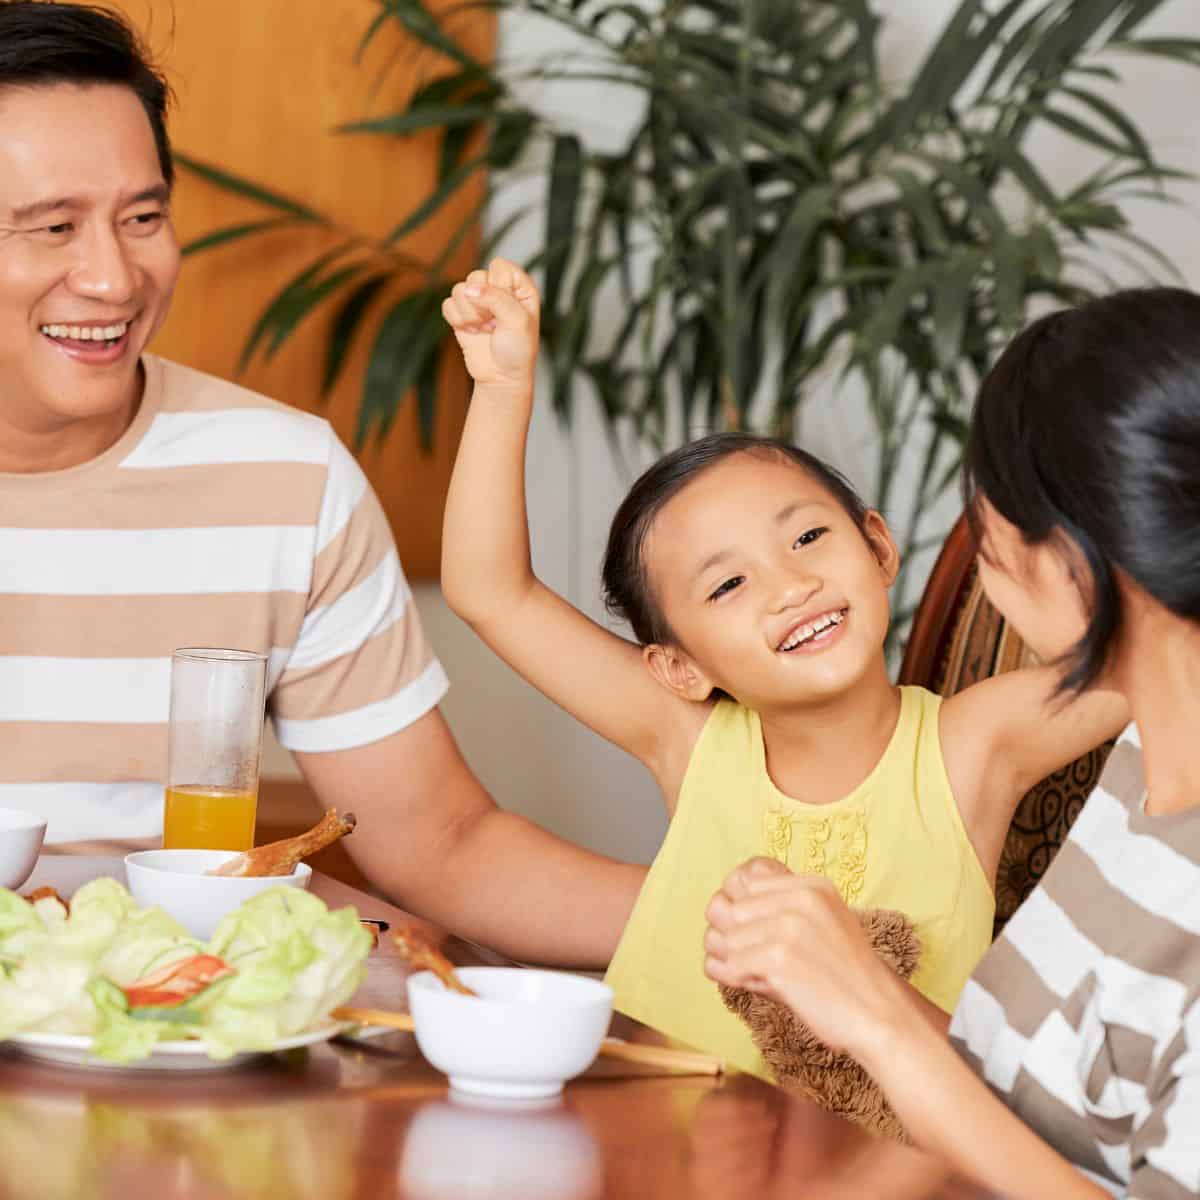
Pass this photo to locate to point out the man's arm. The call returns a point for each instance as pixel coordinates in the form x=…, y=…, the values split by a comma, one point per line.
x=432, y=838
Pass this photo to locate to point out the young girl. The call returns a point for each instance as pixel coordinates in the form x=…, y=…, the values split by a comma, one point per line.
x=757, y=585
x=1084, y=1017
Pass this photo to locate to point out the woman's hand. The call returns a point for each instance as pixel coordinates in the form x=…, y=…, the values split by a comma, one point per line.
x=793, y=938
x=494, y=315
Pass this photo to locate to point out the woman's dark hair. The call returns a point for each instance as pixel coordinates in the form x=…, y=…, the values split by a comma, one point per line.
x=42, y=44
x=627, y=590
x=1088, y=427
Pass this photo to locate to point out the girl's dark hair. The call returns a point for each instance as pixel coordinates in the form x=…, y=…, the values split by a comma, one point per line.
x=1088, y=426
x=627, y=590
x=43, y=43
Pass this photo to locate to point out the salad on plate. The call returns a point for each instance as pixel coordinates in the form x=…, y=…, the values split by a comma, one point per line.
x=130, y=978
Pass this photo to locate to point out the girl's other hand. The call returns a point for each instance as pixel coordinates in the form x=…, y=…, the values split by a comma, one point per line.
x=792, y=937
x=494, y=315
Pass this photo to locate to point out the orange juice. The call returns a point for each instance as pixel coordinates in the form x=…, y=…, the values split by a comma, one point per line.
x=209, y=818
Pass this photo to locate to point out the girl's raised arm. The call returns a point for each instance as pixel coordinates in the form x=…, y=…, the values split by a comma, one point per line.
x=487, y=574
x=1003, y=735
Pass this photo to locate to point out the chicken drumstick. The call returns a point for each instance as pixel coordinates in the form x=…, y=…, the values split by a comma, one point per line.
x=424, y=957
x=280, y=858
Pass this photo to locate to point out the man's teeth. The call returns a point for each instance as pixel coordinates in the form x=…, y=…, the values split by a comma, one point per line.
x=808, y=632
x=87, y=333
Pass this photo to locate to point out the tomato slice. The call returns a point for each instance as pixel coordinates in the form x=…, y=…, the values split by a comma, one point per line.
x=176, y=982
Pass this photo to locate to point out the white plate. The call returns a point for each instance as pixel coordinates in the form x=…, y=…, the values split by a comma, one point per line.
x=74, y=1050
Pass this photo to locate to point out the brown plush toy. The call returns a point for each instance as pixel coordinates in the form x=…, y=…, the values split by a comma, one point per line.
x=804, y=1064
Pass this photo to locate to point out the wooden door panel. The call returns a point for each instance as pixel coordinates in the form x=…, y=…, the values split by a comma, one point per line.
x=260, y=86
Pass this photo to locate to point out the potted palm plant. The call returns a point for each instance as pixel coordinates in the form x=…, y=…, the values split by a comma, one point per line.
x=777, y=217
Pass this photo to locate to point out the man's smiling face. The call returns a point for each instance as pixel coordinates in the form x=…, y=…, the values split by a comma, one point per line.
x=88, y=257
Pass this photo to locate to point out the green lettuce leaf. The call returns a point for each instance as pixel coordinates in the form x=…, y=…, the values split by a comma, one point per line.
x=51, y=912
x=98, y=909
x=48, y=991
x=332, y=977
x=293, y=961
x=263, y=921
x=20, y=927
x=50, y=957
x=144, y=942
x=118, y=1035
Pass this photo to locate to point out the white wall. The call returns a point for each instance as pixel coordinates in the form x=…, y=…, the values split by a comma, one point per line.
x=532, y=757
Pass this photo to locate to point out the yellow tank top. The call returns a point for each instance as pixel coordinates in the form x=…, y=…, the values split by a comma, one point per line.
x=896, y=841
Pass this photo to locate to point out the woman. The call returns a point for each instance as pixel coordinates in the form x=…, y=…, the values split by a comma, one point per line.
x=1072, y=1067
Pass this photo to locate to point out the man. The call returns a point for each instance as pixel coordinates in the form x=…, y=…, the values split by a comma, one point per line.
x=146, y=506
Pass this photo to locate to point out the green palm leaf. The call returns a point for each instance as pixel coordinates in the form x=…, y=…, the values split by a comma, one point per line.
x=346, y=322
x=566, y=175
x=418, y=119
x=780, y=217
x=232, y=233
x=292, y=301
x=243, y=187
x=408, y=337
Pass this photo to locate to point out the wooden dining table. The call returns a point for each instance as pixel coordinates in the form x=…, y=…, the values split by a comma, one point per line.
x=369, y=1119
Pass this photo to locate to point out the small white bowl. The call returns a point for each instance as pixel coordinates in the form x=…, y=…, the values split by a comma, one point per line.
x=21, y=835
x=521, y=1038
x=175, y=880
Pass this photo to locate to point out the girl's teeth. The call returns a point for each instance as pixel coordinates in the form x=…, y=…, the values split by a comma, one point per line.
x=807, y=632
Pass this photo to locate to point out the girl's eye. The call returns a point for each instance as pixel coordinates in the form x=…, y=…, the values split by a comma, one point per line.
x=727, y=587
x=809, y=536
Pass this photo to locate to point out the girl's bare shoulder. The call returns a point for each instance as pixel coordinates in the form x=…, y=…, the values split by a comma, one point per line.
x=684, y=722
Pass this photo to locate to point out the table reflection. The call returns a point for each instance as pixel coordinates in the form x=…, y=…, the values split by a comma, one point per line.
x=745, y=1140
x=468, y=1148
x=734, y=1142
x=55, y=1147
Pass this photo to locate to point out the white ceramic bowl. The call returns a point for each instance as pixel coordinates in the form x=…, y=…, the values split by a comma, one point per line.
x=21, y=835
x=522, y=1037
x=176, y=882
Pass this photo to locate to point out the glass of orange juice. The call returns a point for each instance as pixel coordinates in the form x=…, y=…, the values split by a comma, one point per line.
x=213, y=749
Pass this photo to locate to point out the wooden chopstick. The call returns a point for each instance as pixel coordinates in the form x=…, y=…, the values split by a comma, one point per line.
x=687, y=1062
x=375, y=1016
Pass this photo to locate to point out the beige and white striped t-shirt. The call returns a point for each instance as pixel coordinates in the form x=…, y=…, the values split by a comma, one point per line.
x=219, y=518
x=1084, y=1017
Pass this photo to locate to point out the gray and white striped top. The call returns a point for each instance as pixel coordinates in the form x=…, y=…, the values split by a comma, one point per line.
x=1084, y=1016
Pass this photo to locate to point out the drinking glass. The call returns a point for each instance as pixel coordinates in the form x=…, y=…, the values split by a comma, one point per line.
x=213, y=749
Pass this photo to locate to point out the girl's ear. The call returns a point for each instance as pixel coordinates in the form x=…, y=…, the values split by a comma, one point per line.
x=879, y=538
x=677, y=672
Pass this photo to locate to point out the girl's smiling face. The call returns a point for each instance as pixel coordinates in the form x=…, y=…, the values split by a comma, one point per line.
x=772, y=591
